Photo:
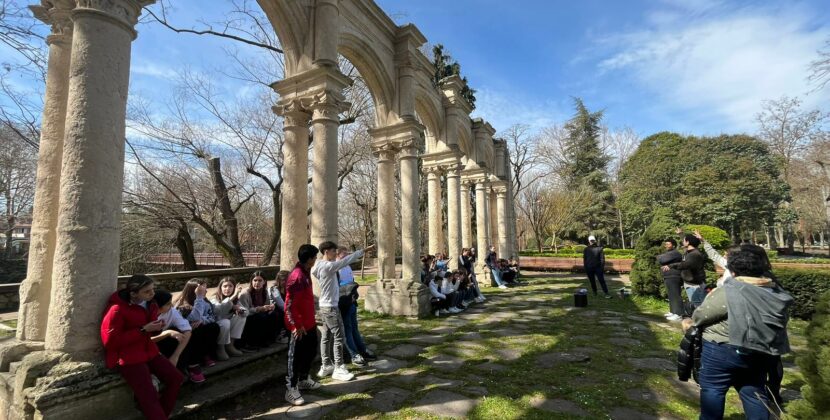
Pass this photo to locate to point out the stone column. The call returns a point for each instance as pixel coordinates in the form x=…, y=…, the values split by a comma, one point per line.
x=85, y=267
x=326, y=28
x=436, y=222
x=325, y=122
x=481, y=233
x=493, y=228
x=386, y=211
x=410, y=232
x=454, y=215
x=294, y=231
x=501, y=213
x=466, y=216
x=36, y=289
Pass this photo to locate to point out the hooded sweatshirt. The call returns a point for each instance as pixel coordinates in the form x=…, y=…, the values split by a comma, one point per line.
x=299, y=300
x=124, y=343
x=326, y=273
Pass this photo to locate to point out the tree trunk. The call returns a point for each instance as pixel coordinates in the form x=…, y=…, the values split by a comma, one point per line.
x=184, y=243
x=622, y=233
x=231, y=249
x=538, y=236
x=10, y=222
x=268, y=255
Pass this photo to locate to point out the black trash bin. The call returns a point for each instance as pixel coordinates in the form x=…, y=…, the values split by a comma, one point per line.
x=581, y=298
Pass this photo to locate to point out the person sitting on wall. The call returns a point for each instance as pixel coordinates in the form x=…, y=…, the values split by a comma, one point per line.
x=262, y=324
x=174, y=339
x=208, y=334
x=129, y=321
x=491, y=262
x=226, y=305
x=466, y=261
x=277, y=295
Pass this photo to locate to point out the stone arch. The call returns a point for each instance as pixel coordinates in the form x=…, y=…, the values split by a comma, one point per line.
x=433, y=119
x=289, y=20
x=371, y=67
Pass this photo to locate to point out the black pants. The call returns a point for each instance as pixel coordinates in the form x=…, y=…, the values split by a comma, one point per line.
x=508, y=276
x=673, y=289
x=596, y=274
x=261, y=328
x=202, y=343
x=301, y=352
x=775, y=374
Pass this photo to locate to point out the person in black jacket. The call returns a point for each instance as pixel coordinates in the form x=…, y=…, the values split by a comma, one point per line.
x=672, y=279
x=593, y=259
x=691, y=270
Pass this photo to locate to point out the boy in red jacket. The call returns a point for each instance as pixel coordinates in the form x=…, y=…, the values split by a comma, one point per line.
x=126, y=331
x=300, y=320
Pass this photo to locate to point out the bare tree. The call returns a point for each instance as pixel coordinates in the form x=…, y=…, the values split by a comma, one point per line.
x=522, y=145
x=17, y=183
x=535, y=208
x=820, y=68
x=563, y=208
x=788, y=129
x=620, y=145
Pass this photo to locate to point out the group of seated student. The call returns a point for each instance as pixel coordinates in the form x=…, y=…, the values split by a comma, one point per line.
x=452, y=291
x=509, y=270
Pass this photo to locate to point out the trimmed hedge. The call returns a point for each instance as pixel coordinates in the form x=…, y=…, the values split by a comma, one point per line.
x=575, y=251
x=815, y=365
x=805, y=286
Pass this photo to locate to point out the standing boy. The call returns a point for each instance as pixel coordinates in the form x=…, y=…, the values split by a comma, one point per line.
x=299, y=319
x=593, y=259
x=332, y=329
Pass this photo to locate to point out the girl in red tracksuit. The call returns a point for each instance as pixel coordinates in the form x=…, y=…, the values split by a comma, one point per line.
x=300, y=320
x=129, y=323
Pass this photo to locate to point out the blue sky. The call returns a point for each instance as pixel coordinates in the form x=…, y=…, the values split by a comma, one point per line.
x=692, y=66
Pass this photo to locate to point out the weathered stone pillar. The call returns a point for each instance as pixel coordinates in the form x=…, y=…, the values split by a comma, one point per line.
x=85, y=267
x=436, y=222
x=293, y=231
x=386, y=211
x=454, y=215
x=35, y=291
x=325, y=122
x=326, y=32
x=501, y=213
x=493, y=227
x=410, y=233
x=481, y=233
x=466, y=216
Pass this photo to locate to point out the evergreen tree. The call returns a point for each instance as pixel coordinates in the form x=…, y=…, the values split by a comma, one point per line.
x=585, y=165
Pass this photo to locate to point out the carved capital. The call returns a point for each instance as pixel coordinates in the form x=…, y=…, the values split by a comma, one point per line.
x=57, y=15
x=435, y=171
x=294, y=110
x=328, y=105
x=121, y=12
x=409, y=150
x=385, y=152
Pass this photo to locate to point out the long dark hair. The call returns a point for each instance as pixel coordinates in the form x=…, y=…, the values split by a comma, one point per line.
x=188, y=295
x=262, y=294
x=135, y=283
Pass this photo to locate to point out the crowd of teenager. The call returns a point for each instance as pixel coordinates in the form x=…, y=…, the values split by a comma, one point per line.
x=147, y=332
x=452, y=291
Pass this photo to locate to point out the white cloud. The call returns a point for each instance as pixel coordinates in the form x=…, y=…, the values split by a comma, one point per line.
x=151, y=69
x=720, y=64
x=502, y=110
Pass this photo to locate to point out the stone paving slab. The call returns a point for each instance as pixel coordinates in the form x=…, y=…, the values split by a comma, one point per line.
x=360, y=383
x=445, y=404
x=388, y=399
x=404, y=351
x=386, y=365
x=645, y=395
x=491, y=367
x=624, y=341
x=552, y=359
x=445, y=362
x=654, y=363
x=558, y=405
x=427, y=339
x=438, y=382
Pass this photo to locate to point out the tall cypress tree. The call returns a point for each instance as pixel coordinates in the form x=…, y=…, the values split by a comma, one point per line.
x=585, y=165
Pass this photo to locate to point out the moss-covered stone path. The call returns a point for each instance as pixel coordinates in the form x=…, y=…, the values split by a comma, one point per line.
x=525, y=353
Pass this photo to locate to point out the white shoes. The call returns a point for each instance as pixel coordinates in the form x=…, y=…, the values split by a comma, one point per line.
x=674, y=318
x=437, y=313
x=308, y=384
x=454, y=310
x=481, y=299
x=501, y=286
x=293, y=396
x=667, y=314
x=325, y=370
x=443, y=312
x=342, y=374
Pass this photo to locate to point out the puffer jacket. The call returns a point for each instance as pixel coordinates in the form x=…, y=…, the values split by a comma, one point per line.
x=124, y=343
x=688, y=356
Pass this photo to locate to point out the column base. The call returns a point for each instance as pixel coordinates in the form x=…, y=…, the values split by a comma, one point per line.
x=398, y=297
x=484, y=277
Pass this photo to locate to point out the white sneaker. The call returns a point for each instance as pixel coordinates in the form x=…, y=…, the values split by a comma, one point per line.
x=454, y=310
x=308, y=383
x=480, y=299
x=293, y=396
x=502, y=286
x=437, y=313
x=667, y=314
x=674, y=318
x=342, y=374
x=325, y=370
x=443, y=312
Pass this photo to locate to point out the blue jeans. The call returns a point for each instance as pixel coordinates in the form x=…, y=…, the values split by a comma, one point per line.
x=696, y=293
x=354, y=341
x=497, y=276
x=723, y=366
